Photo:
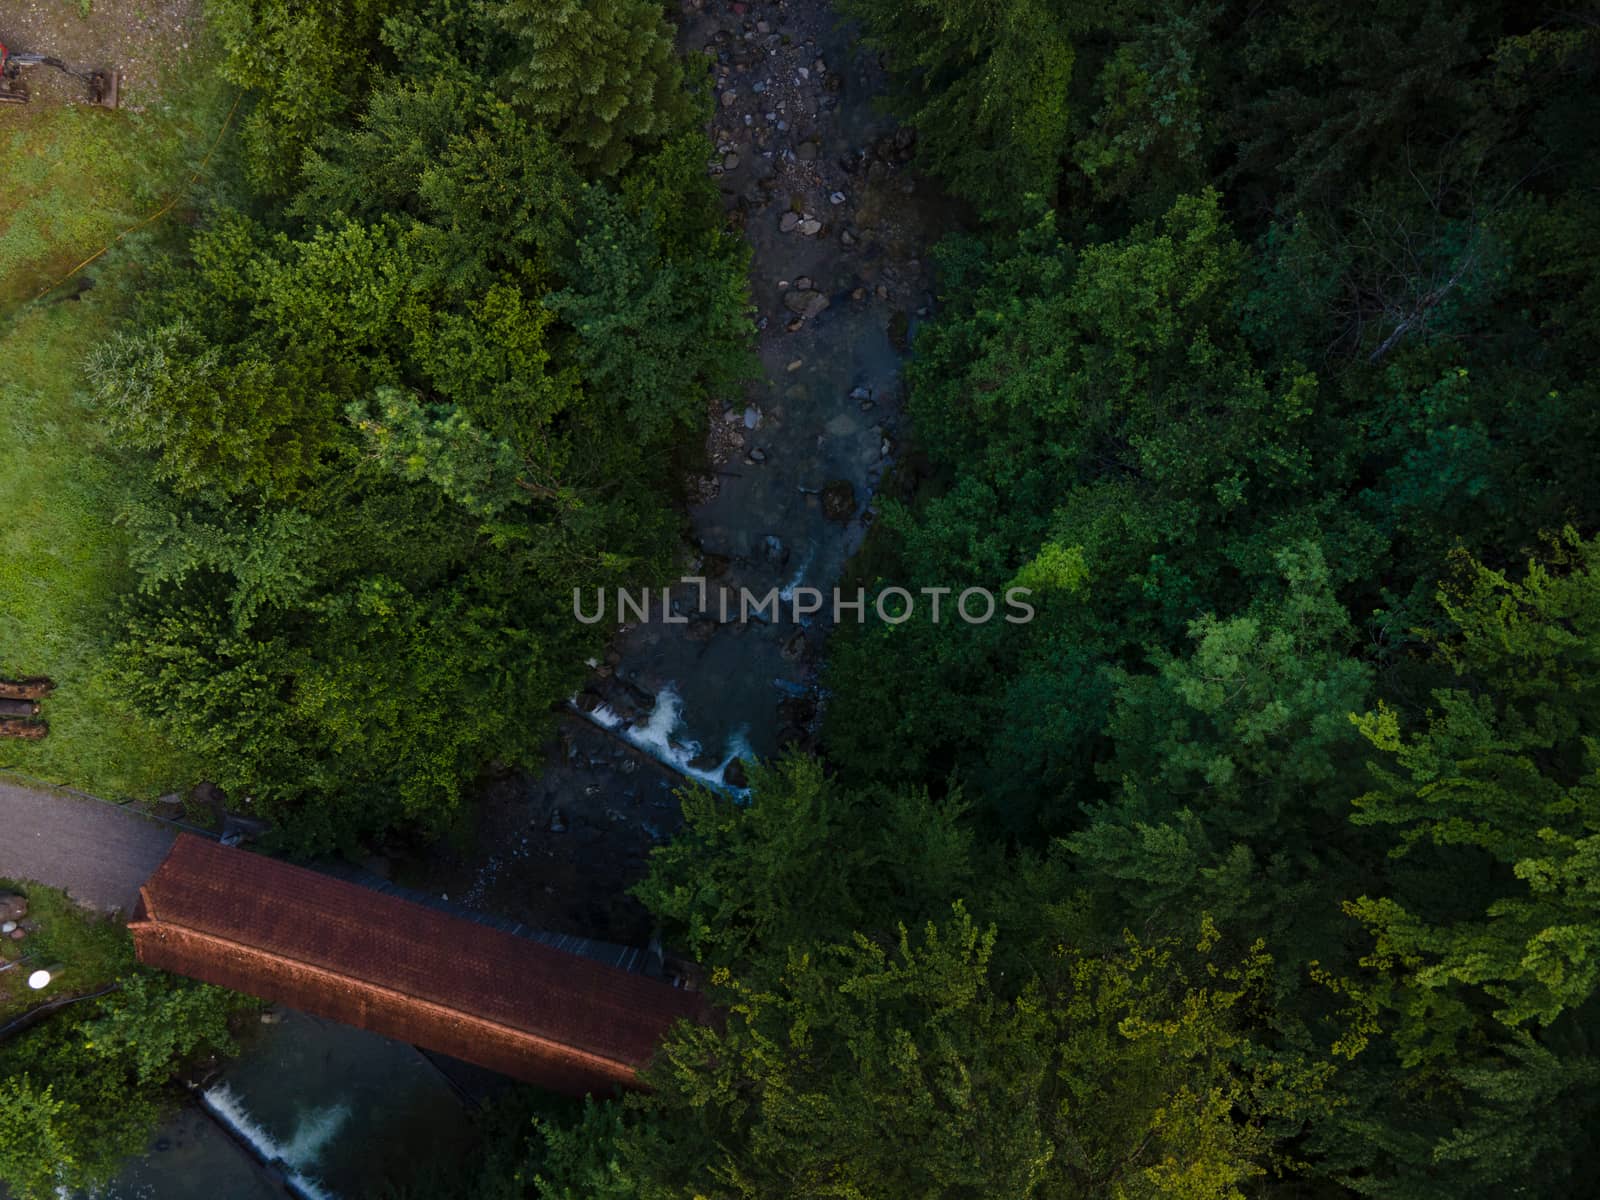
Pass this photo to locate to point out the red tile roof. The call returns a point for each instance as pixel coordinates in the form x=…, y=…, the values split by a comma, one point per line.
x=339, y=950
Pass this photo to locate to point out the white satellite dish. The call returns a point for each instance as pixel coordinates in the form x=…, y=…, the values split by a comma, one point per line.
x=39, y=980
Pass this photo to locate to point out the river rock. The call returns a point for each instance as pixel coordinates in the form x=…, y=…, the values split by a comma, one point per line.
x=811, y=227
x=806, y=152
x=839, y=500
x=752, y=418
x=12, y=906
x=805, y=304
x=797, y=710
x=730, y=162
x=734, y=775
x=789, y=222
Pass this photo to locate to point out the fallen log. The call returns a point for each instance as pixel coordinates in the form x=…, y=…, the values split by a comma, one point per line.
x=31, y=730
x=19, y=708
x=36, y=687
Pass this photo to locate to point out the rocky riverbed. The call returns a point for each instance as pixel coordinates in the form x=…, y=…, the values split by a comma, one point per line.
x=825, y=189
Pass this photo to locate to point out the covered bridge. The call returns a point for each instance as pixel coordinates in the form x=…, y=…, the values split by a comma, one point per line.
x=351, y=954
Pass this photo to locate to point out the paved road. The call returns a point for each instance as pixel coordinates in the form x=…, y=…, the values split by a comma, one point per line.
x=97, y=852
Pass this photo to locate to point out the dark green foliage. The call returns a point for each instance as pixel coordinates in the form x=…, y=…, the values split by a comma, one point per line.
x=1230, y=779
x=915, y=1069
x=1507, y=766
x=83, y=1090
x=1312, y=323
x=1485, y=948
x=1149, y=139
x=908, y=1015
x=1101, y=409
x=601, y=75
x=305, y=65
x=986, y=85
x=393, y=429
x=883, y=1041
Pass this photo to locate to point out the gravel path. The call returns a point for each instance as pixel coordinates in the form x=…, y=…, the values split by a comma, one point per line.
x=99, y=853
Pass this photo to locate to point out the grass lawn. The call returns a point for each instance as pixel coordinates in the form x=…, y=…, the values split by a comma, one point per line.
x=71, y=179
x=92, y=950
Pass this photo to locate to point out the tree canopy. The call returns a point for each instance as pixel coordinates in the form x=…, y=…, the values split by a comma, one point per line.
x=1261, y=862
x=399, y=407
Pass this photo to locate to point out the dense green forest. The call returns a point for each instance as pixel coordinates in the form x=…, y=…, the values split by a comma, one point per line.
x=423, y=369
x=1264, y=862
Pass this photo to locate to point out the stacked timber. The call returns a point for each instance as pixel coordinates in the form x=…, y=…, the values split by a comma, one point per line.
x=35, y=688
x=19, y=707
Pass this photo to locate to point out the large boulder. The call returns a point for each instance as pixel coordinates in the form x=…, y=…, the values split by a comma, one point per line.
x=839, y=500
x=805, y=304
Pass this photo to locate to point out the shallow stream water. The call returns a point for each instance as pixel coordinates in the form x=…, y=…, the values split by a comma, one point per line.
x=830, y=209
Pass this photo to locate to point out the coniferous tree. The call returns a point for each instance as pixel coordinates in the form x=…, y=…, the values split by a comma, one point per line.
x=602, y=75
x=986, y=86
x=1486, y=948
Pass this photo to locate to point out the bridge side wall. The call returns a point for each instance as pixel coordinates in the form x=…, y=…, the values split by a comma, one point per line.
x=377, y=1009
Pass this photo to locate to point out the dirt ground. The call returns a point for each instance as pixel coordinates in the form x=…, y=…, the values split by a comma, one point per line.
x=139, y=38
